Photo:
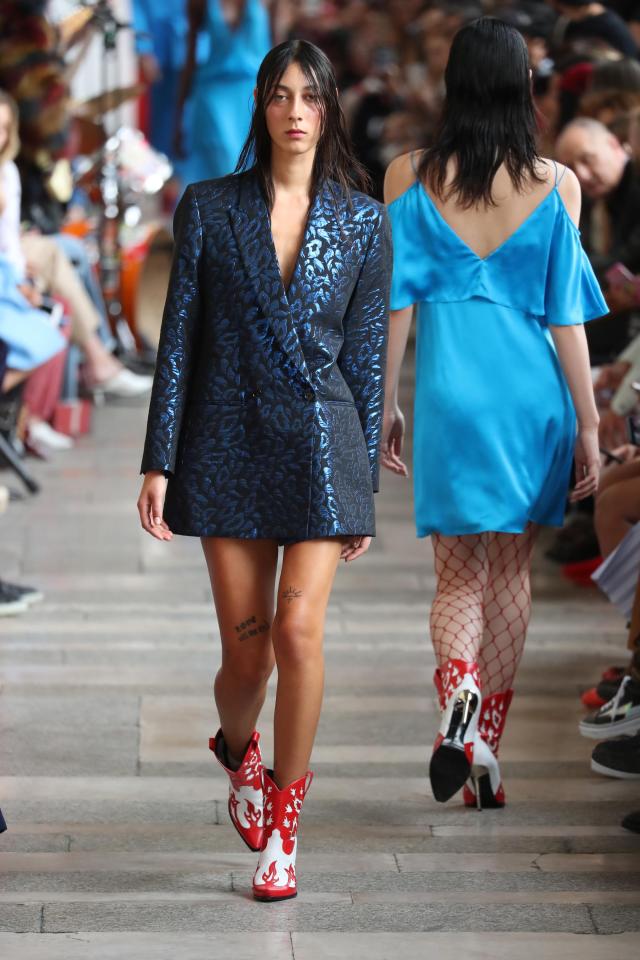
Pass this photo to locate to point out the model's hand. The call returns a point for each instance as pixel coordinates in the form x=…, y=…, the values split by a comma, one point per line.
x=392, y=441
x=587, y=457
x=151, y=505
x=354, y=547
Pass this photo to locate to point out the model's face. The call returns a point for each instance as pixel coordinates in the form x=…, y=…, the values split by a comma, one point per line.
x=294, y=117
x=6, y=123
x=598, y=160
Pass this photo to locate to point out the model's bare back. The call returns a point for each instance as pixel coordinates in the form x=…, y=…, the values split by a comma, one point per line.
x=486, y=228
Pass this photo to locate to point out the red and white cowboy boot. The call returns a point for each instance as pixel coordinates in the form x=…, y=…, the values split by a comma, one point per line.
x=275, y=877
x=484, y=789
x=246, y=789
x=452, y=756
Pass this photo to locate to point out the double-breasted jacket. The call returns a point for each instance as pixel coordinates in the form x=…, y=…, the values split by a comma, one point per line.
x=266, y=409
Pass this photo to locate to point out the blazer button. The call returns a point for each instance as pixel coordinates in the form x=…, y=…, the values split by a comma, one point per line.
x=309, y=395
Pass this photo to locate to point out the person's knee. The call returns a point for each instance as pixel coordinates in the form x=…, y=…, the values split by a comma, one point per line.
x=296, y=638
x=250, y=670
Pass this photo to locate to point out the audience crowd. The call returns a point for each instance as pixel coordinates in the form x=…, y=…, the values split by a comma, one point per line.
x=390, y=57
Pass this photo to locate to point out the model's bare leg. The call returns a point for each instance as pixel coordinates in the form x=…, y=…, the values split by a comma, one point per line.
x=242, y=574
x=306, y=579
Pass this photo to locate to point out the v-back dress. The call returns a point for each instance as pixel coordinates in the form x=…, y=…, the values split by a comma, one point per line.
x=494, y=423
x=222, y=97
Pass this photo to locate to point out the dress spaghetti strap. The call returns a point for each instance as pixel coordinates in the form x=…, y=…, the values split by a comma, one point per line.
x=559, y=178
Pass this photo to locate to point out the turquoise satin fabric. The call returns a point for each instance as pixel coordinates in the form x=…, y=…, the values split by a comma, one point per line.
x=494, y=424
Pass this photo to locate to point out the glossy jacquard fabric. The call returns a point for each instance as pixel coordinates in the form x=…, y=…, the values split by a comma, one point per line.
x=266, y=409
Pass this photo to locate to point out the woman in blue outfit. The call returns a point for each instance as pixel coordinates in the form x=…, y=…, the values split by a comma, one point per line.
x=486, y=246
x=238, y=34
x=265, y=421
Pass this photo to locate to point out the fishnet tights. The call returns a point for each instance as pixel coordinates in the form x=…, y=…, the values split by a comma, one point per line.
x=483, y=601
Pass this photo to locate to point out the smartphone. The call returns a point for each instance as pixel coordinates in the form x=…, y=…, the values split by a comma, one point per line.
x=633, y=430
x=620, y=276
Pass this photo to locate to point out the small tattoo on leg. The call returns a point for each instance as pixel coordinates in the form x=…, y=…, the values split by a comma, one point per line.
x=251, y=628
x=291, y=593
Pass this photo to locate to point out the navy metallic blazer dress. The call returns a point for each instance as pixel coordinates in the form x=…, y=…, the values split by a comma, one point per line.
x=266, y=410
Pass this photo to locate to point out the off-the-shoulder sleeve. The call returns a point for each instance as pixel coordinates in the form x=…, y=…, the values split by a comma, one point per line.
x=178, y=337
x=408, y=256
x=572, y=294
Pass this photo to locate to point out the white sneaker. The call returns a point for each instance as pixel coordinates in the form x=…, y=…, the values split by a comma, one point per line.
x=124, y=384
x=44, y=439
x=4, y=498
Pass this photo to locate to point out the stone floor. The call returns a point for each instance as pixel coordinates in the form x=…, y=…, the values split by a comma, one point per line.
x=118, y=841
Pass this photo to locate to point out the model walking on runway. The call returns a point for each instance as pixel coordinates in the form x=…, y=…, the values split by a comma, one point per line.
x=486, y=245
x=265, y=421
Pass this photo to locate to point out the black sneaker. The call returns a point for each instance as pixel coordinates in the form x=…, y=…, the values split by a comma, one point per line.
x=10, y=604
x=621, y=715
x=632, y=821
x=618, y=758
x=28, y=594
x=3, y=825
x=607, y=689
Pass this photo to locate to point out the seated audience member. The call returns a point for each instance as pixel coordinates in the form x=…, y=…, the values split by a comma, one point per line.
x=616, y=396
x=47, y=262
x=617, y=722
x=610, y=222
x=586, y=21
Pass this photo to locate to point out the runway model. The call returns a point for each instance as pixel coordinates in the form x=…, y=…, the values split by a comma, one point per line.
x=486, y=245
x=238, y=34
x=265, y=421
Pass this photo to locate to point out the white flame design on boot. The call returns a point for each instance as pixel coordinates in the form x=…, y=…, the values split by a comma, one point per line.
x=458, y=685
x=490, y=729
x=246, y=790
x=275, y=877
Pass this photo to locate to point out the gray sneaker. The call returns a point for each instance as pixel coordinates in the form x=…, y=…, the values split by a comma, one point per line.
x=621, y=715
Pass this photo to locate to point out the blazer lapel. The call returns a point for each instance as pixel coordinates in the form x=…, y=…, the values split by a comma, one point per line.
x=252, y=231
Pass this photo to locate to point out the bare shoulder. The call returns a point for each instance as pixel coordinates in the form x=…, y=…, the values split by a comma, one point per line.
x=399, y=176
x=568, y=188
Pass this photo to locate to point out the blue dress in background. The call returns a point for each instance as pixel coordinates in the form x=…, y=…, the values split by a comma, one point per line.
x=222, y=96
x=494, y=423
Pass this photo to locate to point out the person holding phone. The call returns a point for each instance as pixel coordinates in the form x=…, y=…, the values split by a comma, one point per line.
x=486, y=246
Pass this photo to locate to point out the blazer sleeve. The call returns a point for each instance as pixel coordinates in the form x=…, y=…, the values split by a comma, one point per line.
x=363, y=355
x=177, y=341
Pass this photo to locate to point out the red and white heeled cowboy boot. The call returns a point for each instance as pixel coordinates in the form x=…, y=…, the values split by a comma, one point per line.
x=484, y=790
x=246, y=789
x=452, y=756
x=275, y=876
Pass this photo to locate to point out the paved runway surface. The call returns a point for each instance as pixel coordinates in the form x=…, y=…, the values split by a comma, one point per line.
x=119, y=845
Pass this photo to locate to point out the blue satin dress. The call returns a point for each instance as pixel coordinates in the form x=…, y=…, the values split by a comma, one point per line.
x=222, y=98
x=494, y=421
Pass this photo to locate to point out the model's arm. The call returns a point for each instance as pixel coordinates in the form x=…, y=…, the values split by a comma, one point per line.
x=362, y=357
x=196, y=10
x=573, y=354
x=178, y=337
x=398, y=178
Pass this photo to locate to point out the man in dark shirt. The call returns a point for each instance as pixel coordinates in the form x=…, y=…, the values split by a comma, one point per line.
x=610, y=222
x=594, y=21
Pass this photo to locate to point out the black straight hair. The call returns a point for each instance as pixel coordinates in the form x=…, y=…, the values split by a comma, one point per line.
x=334, y=159
x=488, y=117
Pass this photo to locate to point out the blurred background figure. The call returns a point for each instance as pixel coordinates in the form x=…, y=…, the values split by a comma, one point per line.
x=239, y=34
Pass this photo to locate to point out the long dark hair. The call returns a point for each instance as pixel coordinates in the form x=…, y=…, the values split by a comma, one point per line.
x=488, y=116
x=334, y=158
